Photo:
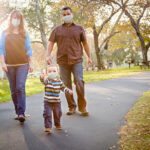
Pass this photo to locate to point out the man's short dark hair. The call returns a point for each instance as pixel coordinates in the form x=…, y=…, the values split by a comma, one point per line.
x=67, y=8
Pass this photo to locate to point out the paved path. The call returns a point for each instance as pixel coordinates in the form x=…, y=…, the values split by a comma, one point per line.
x=108, y=102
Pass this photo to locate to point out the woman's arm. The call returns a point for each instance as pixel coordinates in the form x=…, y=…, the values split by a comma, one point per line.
x=29, y=51
x=4, y=66
x=2, y=60
x=28, y=45
x=30, y=64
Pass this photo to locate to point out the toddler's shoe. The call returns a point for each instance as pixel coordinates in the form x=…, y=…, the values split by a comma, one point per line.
x=21, y=118
x=59, y=127
x=48, y=130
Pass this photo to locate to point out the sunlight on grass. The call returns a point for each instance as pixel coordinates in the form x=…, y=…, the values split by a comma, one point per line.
x=135, y=135
x=34, y=86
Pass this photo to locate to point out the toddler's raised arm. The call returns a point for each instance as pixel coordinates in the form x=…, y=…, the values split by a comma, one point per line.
x=42, y=79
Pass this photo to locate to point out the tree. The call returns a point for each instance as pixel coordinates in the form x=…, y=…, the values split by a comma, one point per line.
x=37, y=17
x=135, y=11
x=41, y=25
x=5, y=9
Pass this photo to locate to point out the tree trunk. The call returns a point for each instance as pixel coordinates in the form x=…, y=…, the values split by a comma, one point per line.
x=100, y=64
x=143, y=46
x=42, y=30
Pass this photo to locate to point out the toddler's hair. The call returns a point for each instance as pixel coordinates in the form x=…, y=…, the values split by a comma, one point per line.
x=51, y=65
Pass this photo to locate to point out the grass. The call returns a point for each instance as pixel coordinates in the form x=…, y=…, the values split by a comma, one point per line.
x=92, y=76
x=135, y=135
x=33, y=85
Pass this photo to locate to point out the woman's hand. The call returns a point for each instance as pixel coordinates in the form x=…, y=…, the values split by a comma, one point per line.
x=4, y=67
x=30, y=68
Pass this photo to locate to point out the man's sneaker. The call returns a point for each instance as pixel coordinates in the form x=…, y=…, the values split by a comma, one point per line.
x=21, y=118
x=16, y=117
x=59, y=127
x=48, y=130
x=84, y=113
x=71, y=111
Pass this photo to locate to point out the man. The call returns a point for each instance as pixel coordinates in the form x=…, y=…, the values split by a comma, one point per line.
x=69, y=38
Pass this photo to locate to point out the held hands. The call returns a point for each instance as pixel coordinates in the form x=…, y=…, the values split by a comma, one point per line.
x=70, y=92
x=4, y=67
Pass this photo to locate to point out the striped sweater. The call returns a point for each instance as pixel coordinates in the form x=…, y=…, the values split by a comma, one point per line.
x=52, y=90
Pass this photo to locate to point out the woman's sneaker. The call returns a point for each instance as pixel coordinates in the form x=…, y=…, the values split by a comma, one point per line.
x=21, y=118
x=16, y=117
x=48, y=130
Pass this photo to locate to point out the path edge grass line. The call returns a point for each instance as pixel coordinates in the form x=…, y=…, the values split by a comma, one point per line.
x=135, y=134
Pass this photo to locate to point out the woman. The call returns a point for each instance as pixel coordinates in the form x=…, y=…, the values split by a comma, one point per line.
x=16, y=60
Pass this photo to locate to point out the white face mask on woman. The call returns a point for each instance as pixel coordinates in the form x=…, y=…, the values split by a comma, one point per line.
x=67, y=18
x=15, y=22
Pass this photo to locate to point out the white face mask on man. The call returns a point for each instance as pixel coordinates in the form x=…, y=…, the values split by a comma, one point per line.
x=15, y=22
x=67, y=18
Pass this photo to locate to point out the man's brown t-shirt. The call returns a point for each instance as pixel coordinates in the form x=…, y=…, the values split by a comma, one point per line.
x=68, y=41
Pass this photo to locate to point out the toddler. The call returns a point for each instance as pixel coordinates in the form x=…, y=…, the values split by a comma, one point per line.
x=52, y=102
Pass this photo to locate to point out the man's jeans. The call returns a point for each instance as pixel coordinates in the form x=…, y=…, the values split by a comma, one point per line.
x=57, y=113
x=17, y=76
x=65, y=74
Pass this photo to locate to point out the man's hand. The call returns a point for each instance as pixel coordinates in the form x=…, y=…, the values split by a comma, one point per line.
x=4, y=67
x=89, y=62
x=48, y=60
x=87, y=50
x=49, y=50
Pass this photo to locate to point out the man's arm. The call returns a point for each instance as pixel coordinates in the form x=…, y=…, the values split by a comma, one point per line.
x=87, y=50
x=49, y=50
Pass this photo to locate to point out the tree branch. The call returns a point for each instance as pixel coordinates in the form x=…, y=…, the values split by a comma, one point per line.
x=3, y=19
x=139, y=19
x=34, y=26
x=108, y=38
x=112, y=30
x=147, y=46
x=107, y=20
x=37, y=42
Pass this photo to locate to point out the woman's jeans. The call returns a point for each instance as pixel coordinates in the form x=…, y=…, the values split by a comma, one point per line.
x=17, y=76
x=65, y=74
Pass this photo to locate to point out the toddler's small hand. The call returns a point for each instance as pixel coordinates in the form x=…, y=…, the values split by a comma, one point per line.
x=43, y=75
x=70, y=92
